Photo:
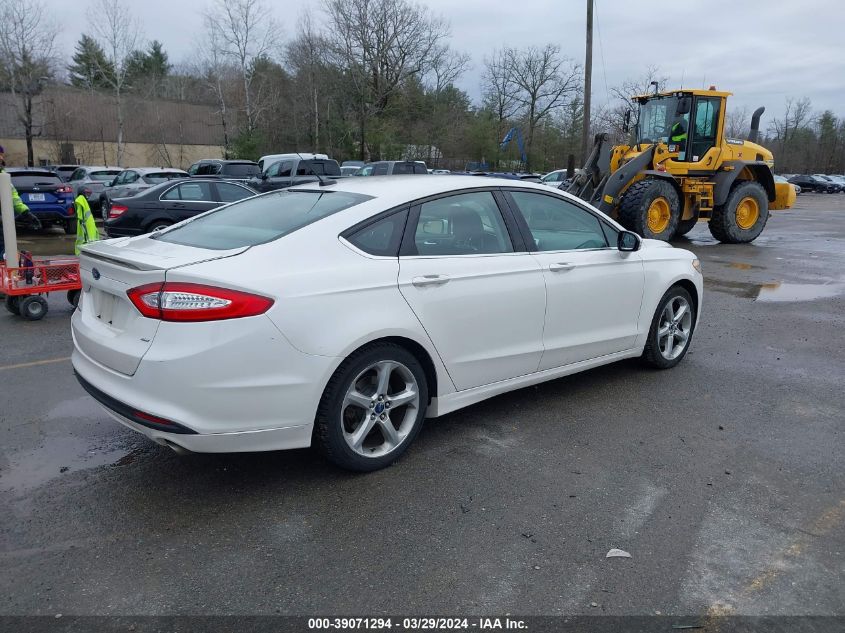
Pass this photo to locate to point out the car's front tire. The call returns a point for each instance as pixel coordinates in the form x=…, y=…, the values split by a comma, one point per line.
x=671, y=329
x=372, y=408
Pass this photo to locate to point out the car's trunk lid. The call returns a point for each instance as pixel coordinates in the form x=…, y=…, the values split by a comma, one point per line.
x=107, y=327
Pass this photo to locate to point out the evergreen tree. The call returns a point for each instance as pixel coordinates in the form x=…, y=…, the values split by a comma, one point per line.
x=145, y=70
x=90, y=69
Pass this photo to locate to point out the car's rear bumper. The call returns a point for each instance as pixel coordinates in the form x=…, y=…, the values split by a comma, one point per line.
x=52, y=212
x=225, y=385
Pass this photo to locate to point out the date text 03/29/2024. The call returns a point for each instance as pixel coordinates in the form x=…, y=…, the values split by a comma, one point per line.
x=412, y=624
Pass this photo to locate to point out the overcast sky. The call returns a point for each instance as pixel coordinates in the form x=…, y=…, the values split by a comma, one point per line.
x=761, y=50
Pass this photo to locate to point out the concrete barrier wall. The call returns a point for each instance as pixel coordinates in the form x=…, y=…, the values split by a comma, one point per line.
x=96, y=153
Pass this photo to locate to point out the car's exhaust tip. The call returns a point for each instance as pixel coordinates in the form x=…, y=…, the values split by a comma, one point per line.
x=176, y=448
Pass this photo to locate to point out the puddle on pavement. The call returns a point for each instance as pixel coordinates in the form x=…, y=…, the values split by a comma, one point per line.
x=800, y=292
x=57, y=456
x=776, y=291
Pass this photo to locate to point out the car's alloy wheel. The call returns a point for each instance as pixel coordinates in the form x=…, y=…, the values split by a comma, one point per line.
x=671, y=329
x=675, y=327
x=372, y=408
x=380, y=408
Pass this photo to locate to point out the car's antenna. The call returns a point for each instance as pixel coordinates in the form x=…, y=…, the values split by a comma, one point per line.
x=323, y=182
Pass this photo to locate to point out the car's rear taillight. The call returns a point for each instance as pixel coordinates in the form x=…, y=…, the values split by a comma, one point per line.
x=116, y=210
x=64, y=189
x=71, y=211
x=195, y=302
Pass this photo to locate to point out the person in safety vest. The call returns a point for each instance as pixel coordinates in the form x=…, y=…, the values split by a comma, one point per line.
x=86, y=228
x=21, y=210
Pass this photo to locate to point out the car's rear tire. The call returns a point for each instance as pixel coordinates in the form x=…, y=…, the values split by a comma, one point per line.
x=671, y=330
x=158, y=226
x=372, y=408
x=13, y=304
x=33, y=308
x=73, y=298
x=70, y=227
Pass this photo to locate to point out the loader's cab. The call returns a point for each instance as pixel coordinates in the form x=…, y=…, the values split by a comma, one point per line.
x=689, y=122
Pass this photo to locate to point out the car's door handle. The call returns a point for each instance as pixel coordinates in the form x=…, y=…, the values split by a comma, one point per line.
x=561, y=267
x=430, y=280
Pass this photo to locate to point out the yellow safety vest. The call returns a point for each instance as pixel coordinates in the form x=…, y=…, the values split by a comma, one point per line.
x=86, y=228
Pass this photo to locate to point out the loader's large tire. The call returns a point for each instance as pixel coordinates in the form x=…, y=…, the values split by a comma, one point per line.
x=651, y=208
x=742, y=218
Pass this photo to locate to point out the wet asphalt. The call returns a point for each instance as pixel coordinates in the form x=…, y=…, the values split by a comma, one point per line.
x=723, y=478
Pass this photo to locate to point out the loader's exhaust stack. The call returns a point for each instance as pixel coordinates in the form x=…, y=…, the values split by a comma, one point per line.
x=754, y=133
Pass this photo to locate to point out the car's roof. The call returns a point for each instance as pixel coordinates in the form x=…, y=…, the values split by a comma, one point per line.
x=233, y=161
x=23, y=171
x=399, y=189
x=147, y=170
x=101, y=167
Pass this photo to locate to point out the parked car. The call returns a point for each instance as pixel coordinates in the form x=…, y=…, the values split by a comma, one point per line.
x=808, y=183
x=345, y=314
x=441, y=172
x=349, y=170
x=832, y=185
x=62, y=171
x=783, y=179
x=94, y=179
x=235, y=170
x=47, y=196
x=554, y=178
x=294, y=171
x=839, y=180
x=170, y=202
x=393, y=168
x=132, y=181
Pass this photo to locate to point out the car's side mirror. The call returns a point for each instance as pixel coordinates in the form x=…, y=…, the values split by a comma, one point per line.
x=628, y=241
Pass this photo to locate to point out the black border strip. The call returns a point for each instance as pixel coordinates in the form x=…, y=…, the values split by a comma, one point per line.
x=128, y=412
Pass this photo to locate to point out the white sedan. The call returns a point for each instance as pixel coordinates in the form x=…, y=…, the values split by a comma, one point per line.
x=343, y=313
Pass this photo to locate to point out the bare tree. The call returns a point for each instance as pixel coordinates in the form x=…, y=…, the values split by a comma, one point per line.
x=216, y=74
x=305, y=56
x=545, y=81
x=28, y=59
x=737, y=122
x=498, y=92
x=796, y=118
x=119, y=34
x=381, y=44
x=243, y=34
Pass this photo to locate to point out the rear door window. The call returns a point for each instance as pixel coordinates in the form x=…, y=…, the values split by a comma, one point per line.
x=260, y=219
x=241, y=170
x=463, y=224
x=420, y=168
x=403, y=168
x=380, y=169
x=381, y=237
x=162, y=176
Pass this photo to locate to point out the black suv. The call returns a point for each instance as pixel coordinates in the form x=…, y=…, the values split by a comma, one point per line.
x=294, y=171
x=241, y=170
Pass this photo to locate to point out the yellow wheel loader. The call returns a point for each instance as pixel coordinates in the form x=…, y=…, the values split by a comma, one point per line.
x=679, y=168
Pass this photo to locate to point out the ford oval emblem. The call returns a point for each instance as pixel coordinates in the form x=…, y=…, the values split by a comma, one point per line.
x=95, y=273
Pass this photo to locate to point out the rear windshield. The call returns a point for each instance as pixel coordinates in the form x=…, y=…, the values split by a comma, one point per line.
x=30, y=180
x=241, y=170
x=318, y=168
x=260, y=219
x=163, y=176
x=103, y=176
